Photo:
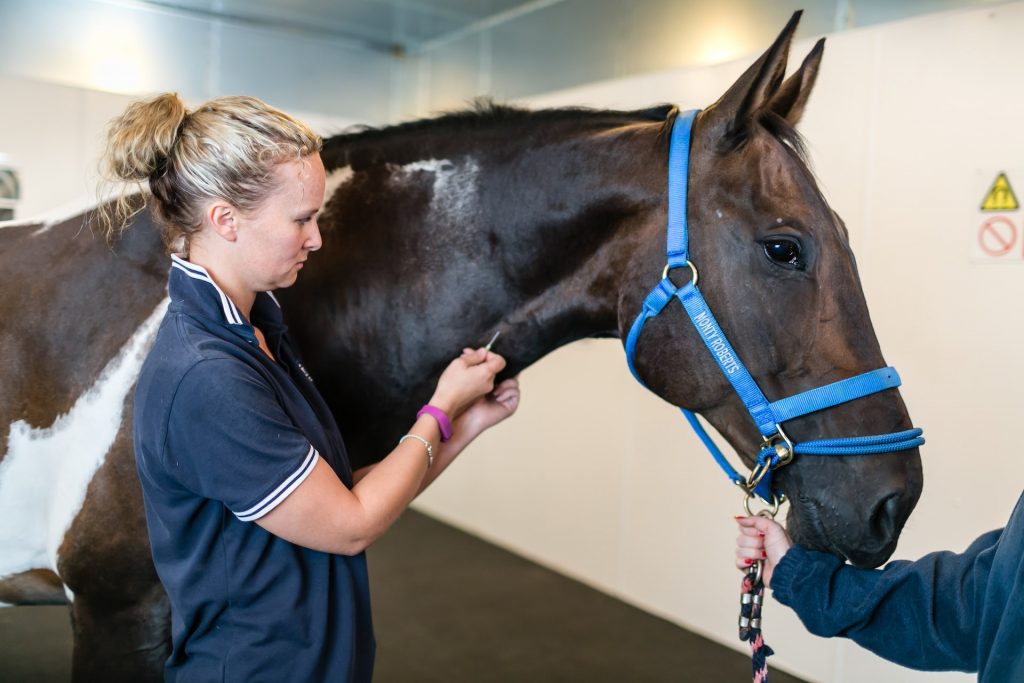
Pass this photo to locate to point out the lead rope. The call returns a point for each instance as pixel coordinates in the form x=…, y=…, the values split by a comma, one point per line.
x=751, y=602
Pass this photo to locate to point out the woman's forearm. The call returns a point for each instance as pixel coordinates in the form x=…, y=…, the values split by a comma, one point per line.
x=448, y=451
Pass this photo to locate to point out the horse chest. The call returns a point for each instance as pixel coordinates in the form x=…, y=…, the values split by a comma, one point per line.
x=46, y=471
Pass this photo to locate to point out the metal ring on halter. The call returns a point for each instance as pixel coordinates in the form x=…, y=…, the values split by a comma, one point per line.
x=756, y=475
x=769, y=511
x=689, y=264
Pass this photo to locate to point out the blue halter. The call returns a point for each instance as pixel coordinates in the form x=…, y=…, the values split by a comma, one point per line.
x=777, y=448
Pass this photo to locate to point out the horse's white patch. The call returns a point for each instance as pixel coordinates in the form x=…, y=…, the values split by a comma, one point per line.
x=429, y=165
x=43, y=477
x=718, y=212
x=779, y=221
x=336, y=179
x=454, y=189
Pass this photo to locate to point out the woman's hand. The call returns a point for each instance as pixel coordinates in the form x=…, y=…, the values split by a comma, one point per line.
x=490, y=409
x=466, y=379
x=761, y=538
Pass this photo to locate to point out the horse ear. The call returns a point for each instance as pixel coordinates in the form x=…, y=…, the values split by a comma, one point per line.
x=733, y=114
x=791, y=98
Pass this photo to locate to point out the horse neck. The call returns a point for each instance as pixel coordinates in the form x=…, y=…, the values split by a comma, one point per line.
x=537, y=242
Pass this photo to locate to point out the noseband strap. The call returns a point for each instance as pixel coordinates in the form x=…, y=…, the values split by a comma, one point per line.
x=777, y=449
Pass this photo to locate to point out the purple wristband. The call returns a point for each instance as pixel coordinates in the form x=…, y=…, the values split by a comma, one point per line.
x=443, y=422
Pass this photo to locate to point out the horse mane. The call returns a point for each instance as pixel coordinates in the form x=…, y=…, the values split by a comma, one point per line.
x=486, y=113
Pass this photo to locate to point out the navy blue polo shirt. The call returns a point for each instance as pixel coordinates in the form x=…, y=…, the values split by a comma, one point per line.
x=223, y=434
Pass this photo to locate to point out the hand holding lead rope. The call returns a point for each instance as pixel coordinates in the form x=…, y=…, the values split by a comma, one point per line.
x=751, y=601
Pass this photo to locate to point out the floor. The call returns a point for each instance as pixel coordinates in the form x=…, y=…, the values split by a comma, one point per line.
x=449, y=607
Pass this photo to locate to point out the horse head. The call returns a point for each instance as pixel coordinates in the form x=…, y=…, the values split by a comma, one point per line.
x=775, y=267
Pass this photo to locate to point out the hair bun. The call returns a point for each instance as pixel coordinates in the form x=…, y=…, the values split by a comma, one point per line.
x=140, y=141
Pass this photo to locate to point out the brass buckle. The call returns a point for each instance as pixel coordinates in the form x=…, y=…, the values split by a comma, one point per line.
x=689, y=264
x=781, y=443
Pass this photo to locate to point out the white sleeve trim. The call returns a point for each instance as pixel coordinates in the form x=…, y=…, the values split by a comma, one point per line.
x=277, y=496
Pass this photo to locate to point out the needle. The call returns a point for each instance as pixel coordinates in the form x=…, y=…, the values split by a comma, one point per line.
x=491, y=343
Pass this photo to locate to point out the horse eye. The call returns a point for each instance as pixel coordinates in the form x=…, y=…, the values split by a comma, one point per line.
x=784, y=251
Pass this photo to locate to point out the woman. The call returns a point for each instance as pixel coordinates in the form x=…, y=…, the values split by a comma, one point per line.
x=946, y=611
x=256, y=521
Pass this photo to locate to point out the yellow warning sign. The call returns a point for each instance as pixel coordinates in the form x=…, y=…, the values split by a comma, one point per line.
x=1001, y=196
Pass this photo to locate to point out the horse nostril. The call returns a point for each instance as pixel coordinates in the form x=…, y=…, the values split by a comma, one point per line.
x=885, y=518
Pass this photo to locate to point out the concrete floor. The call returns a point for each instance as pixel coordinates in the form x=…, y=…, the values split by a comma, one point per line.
x=450, y=608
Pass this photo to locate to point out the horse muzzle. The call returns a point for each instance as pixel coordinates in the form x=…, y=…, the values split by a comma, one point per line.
x=861, y=524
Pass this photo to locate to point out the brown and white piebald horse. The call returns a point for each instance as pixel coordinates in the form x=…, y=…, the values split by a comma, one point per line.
x=547, y=225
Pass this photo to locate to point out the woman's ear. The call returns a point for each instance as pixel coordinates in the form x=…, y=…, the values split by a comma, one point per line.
x=223, y=218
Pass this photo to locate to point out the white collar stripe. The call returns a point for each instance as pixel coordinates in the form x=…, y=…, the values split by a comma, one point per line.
x=199, y=273
x=277, y=496
x=191, y=266
x=230, y=312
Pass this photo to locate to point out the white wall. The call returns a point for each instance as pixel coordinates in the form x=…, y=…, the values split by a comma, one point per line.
x=134, y=48
x=909, y=124
x=568, y=42
x=137, y=48
x=54, y=135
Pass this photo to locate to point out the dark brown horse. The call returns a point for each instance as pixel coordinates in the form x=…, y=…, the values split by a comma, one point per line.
x=549, y=226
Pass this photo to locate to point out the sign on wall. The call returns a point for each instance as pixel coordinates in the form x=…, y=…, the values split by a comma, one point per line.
x=997, y=222
x=10, y=189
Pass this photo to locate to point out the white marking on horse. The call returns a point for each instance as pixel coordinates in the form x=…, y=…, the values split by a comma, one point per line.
x=336, y=179
x=44, y=476
x=455, y=186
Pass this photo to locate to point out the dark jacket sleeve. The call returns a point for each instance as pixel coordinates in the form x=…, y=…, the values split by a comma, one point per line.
x=924, y=614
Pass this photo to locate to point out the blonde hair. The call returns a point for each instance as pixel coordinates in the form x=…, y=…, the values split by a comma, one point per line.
x=226, y=149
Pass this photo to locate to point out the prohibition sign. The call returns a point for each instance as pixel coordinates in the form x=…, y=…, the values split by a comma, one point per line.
x=997, y=236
